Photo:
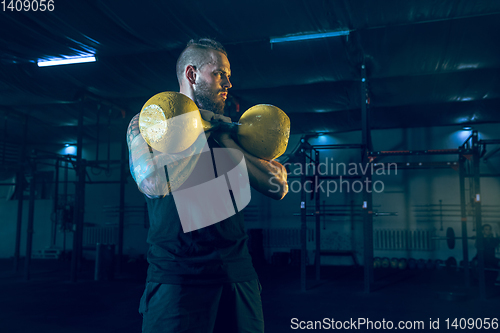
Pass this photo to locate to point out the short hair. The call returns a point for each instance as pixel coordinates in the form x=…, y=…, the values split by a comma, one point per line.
x=487, y=225
x=195, y=54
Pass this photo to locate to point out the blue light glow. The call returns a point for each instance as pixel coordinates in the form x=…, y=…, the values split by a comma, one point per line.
x=324, y=139
x=467, y=66
x=309, y=36
x=65, y=61
x=457, y=138
x=69, y=150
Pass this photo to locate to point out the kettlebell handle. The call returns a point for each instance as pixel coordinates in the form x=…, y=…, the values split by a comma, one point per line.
x=209, y=126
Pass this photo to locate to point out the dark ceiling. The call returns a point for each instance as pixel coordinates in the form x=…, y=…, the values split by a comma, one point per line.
x=429, y=62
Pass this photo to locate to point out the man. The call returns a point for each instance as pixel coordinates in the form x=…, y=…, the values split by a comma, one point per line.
x=203, y=280
x=490, y=244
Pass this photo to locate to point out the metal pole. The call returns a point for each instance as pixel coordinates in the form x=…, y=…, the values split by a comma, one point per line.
x=98, y=131
x=66, y=206
x=367, y=193
x=121, y=221
x=20, y=189
x=109, y=140
x=368, y=235
x=323, y=210
x=477, y=210
x=56, y=203
x=77, y=234
x=81, y=208
x=66, y=183
x=365, y=115
x=317, y=258
x=31, y=217
x=465, y=241
x=4, y=140
x=353, y=214
x=303, y=219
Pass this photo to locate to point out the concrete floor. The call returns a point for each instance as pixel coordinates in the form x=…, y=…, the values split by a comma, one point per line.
x=50, y=303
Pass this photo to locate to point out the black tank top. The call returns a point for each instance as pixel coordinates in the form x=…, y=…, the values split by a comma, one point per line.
x=214, y=254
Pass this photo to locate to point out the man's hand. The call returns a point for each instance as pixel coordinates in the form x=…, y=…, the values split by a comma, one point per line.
x=267, y=177
x=213, y=117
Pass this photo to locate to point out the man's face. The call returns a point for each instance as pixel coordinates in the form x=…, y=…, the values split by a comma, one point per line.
x=486, y=231
x=212, y=83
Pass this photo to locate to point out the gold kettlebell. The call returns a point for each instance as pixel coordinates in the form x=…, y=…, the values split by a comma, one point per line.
x=171, y=122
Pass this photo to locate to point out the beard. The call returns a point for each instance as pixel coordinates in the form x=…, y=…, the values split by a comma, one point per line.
x=207, y=100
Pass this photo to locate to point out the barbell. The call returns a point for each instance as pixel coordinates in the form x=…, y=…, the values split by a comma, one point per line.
x=171, y=122
x=450, y=238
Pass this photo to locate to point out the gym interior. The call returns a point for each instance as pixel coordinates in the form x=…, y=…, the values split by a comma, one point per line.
x=393, y=158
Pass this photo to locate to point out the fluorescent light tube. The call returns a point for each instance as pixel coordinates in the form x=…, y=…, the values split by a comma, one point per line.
x=309, y=36
x=65, y=61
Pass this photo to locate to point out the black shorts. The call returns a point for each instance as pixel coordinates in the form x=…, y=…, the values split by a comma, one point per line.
x=232, y=307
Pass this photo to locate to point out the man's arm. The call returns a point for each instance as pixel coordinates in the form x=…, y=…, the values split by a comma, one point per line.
x=146, y=165
x=150, y=168
x=267, y=177
x=145, y=170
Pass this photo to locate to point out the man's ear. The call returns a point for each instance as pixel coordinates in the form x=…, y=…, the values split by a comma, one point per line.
x=191, y=74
